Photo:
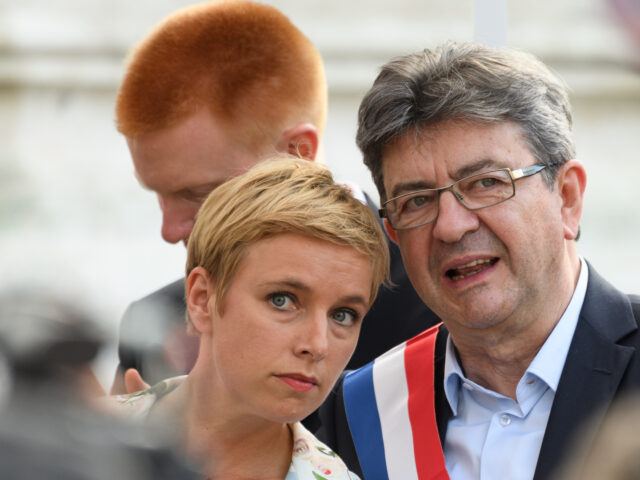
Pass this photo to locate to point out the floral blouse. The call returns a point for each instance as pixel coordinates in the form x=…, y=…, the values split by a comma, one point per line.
x=310, y=460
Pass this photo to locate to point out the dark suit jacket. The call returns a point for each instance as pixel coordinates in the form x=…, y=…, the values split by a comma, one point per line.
x=148, y=324
x=603, y=363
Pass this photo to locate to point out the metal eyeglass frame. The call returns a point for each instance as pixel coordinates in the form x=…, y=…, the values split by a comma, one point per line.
x=513, y=175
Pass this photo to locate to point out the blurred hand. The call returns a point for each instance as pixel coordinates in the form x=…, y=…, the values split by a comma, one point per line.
x=133, y=382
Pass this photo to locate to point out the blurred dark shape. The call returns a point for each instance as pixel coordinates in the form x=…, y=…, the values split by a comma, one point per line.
x=615, y=453
x=39, y=335
x=48, y=428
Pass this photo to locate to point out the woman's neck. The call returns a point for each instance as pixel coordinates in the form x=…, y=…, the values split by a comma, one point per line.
x=230, y=447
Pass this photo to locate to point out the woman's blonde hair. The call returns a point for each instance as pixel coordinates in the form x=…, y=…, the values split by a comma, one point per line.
x=281, y=195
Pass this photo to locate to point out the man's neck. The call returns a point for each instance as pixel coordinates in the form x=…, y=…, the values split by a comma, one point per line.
x=498, y=357
x=499, y=367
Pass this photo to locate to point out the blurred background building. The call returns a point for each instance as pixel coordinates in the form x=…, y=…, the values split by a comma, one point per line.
x=73, y=218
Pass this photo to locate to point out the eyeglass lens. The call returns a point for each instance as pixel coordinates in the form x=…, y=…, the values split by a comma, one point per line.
x=475, y=192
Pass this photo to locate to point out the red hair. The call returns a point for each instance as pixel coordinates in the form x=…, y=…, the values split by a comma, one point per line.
x=244, y=61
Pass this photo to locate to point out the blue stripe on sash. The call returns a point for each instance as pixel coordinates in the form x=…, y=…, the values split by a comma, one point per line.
x=364, y=422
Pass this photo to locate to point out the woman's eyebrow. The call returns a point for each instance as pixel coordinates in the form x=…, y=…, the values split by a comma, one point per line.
x=298, y=285
x=354, y=299
x=291, y=283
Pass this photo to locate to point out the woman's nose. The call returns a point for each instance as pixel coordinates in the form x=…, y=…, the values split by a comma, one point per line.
x=313, y=339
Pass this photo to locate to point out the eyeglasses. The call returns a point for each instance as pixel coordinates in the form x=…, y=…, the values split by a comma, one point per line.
x=421, y=207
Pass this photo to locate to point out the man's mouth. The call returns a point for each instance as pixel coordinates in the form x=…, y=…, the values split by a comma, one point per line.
x=471, y=268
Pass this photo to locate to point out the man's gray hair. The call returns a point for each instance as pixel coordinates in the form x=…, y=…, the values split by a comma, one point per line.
x=467, y=82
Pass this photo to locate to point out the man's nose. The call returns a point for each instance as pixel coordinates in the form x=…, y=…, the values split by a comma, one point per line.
x=313, y=339
x=177, y=221
x=454, y=219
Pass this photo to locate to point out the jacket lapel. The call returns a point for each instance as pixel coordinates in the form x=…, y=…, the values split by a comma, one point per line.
x=593, y=369
x=442, y=407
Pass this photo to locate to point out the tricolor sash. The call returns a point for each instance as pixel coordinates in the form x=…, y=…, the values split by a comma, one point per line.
x=391, y=413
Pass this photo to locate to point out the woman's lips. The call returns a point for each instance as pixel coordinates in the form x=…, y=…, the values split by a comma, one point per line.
x=300, y=383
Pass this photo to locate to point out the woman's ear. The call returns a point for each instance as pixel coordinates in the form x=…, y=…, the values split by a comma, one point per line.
x=571, y=183
x=201, y=299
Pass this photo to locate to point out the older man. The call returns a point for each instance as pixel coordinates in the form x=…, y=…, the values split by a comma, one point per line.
x=212, y=90
x=471, y=150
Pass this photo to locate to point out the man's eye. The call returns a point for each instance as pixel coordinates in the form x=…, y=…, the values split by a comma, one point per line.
x=417, y=202
x=486, y=182
x=282, y=301
x=345, y=316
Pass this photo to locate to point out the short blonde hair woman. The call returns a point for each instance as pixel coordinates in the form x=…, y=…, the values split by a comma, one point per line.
x=283, y=264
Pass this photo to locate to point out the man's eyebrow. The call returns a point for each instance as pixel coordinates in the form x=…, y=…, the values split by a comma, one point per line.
x=407, y=187
x=203, y=189
x=477, y=167
x=462, y=172
x=197, y=190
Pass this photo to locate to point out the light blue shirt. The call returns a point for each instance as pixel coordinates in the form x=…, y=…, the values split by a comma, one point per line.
x=493, y=437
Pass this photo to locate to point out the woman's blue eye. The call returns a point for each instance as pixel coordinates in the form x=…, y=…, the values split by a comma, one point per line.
x=280, y=300
x=345, y=317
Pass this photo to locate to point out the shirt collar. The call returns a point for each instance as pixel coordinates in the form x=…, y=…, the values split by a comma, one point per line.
x=546, y=364
x=453, y=376
x=311, y=459
x=549, y=362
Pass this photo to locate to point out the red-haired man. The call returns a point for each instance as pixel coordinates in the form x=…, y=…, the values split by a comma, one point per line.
x=212, y=90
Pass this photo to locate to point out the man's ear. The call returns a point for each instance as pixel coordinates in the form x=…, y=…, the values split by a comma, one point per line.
x=300, y=140
x=393, y=235
x=571, y=183
x=201, y=299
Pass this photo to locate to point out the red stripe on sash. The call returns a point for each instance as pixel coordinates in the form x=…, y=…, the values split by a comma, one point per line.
x=419, y=366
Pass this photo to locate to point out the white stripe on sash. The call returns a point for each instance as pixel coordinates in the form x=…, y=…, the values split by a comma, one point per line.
x=392, y=394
